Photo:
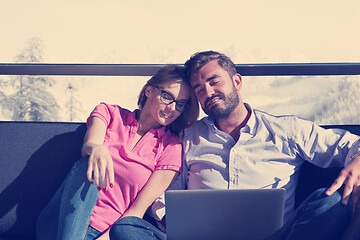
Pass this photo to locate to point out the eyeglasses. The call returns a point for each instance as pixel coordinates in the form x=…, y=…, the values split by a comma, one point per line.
x=168, y=99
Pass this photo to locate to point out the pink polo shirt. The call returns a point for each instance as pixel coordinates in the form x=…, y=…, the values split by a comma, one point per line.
x=157, y=149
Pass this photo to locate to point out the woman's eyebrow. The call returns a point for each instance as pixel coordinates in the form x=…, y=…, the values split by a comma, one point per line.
x=169, y=94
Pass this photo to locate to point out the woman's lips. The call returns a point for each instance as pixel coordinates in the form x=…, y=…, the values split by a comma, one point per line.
x=167, y=115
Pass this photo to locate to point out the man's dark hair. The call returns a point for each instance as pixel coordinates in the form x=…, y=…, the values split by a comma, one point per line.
x=200, y=59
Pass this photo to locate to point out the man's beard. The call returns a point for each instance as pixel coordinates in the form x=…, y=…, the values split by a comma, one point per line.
x=222, y=110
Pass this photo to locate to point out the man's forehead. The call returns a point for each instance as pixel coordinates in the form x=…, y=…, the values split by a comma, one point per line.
x=195, y=78
x=206, y=71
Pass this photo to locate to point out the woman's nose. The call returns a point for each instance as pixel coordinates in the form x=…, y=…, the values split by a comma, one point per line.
x=172, y=106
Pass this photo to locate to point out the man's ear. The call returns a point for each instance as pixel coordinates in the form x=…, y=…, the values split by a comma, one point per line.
x=237, y=79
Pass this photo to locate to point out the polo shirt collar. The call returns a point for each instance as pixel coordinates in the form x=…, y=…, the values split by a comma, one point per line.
x=131, y=119
x=160, y=132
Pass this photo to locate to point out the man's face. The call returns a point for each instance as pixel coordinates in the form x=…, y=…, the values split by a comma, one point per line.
x=215, y=90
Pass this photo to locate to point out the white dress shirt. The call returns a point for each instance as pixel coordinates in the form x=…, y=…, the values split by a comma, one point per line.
x=268, y=154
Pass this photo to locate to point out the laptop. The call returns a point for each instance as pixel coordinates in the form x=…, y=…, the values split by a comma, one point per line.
x=252, y=214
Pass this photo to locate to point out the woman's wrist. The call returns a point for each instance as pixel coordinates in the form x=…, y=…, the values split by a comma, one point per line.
x=134, y=212
x=88, y=148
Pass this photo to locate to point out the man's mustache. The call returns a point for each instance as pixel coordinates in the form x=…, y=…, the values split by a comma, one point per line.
x=219, y=95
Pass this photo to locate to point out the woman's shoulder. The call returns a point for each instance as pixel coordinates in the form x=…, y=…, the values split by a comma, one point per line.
x=113, y=108
x=169, y=138
x=113, y=112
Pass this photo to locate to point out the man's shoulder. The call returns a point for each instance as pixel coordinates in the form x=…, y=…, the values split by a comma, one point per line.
x=199, y=126
x=204, y=122
x=289, y=125
x=262, y=115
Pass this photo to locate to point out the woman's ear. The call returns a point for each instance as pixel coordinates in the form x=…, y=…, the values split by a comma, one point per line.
x=148, y=91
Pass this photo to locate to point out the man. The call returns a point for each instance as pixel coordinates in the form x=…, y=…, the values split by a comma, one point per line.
x=238, y=147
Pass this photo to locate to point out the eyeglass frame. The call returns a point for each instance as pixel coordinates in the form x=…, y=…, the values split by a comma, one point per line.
x=162, y=91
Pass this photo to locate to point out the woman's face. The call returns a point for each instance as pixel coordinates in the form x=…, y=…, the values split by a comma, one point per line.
x=161, y=101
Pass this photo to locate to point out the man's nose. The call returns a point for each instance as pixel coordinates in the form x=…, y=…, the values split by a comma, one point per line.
x=209, y=91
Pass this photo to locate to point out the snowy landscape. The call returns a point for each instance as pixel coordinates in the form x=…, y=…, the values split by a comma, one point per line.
x=323, y=99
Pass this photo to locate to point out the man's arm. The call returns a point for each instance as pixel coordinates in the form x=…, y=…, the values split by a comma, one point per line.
x=330, y=148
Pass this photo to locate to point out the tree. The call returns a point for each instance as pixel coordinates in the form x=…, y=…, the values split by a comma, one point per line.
x=31, y=100
x=74, y=105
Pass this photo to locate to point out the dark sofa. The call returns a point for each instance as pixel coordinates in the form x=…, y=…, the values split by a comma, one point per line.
x=35, y=158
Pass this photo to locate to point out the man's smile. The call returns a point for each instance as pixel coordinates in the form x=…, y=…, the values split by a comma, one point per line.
x=212, y=101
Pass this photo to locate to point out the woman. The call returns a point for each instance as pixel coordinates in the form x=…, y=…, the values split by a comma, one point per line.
x=132, y=158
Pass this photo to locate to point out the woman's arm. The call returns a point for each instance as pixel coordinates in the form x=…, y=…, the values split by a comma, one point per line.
x=100, y=160
x=159, y=181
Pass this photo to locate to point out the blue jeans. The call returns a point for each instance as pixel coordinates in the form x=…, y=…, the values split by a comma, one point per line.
x=129, y=228
x=68, y=213
x=319, y=217
x=92, y=234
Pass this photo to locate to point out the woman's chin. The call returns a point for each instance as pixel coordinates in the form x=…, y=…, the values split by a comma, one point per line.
x=165, y=121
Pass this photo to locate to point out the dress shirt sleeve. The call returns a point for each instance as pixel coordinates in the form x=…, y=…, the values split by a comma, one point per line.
x=323, y=147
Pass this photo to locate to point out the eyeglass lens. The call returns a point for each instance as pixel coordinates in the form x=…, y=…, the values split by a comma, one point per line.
x=167, y=99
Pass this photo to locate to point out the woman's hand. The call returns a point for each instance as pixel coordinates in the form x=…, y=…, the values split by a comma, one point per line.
x=100, y=161
x=100, y=166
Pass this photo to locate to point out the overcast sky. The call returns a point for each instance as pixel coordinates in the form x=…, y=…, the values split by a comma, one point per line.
x=165, y=31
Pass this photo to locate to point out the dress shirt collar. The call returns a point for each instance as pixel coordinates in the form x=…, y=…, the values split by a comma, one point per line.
x=248, y=128
x=251, y=123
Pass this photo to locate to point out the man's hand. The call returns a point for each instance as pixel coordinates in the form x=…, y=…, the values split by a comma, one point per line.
x=350, y=178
